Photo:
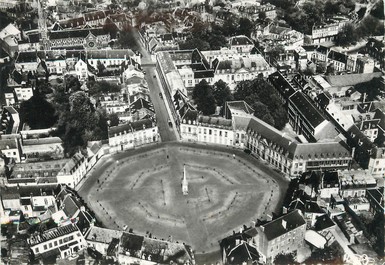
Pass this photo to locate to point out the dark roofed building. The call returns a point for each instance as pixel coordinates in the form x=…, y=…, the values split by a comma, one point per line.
x=235, y=250
x=304, y=117
x=90, y=38
x=376, y=200
x=277, y=236
x=282, y=85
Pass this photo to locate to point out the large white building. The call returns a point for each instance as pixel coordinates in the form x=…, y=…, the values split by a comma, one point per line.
x=133, y=134
x=242, y=129
x=67, y=240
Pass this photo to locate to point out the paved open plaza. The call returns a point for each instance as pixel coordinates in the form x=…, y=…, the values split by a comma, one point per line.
x=143, y=191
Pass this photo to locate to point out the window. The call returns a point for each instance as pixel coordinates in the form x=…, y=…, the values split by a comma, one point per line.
x=50, y=245
x=209, y=131
x=45, y=247
x=36, y=250
x=55, y=243
x=225, y=134
x=220, y=133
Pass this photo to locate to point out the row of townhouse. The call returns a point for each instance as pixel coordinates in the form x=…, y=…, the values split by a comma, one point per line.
x=95, y=19
x=77, y=62
x=341, y=62
x=243, y=130
x=258, y=11
x=39, y=157
x=229, y=65
x=76, y=229
x=31, y=201
x=67, y=239
x=120, y=246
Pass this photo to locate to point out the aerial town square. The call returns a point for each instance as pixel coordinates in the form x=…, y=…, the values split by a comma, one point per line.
x=223, y=193
x=192, y=132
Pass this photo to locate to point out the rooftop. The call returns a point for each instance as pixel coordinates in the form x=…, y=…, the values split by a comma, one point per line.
x=307, y=109
x=283, y=225
x=53, y=233
x=130, y=127
x=351, y=79
x=215, y=121
x=103, y=235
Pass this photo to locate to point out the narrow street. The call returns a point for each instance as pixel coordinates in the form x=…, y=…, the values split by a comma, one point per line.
x=166, y=132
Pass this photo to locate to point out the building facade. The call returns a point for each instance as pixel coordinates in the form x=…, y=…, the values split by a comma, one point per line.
x=131, y=135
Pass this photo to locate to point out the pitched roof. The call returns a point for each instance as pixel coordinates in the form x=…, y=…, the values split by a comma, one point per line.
x=351, y=79
x=321, y=150
x=141, y=103
x=9, y=30
x=283, y=225
x=281, y=84
x=240, y=40
x=306, y=108
x=76, y=33
x=53, y=233
x=241, y=253
x=215, y=121
x=130, y=127
x=274, y=136
x=70, y=206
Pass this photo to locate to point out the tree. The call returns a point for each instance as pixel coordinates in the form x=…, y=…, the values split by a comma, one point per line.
x=72, y=83
x=274, y=53
x=285, y=259
x=246, y=27
x=193, y=43
x=204, y=98
x=102, y=87
x=262, y=15
x=37, y=112
x=347, y=35
x=331, y=8
x=127, y=39
x=79, y=122
x=229, y=27
x=264, y=99
x=100, y=66
x=370, y=26
x=221, y=92
x=113, y=119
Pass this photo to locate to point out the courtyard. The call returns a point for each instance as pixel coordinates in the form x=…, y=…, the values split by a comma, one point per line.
x=142, y=191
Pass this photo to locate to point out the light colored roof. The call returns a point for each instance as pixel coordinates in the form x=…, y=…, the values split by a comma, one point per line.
x=321, y=150
x=351, y=79
x=9, y=30
x=102, y=235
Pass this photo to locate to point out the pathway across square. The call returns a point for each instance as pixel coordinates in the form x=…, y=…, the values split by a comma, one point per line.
x=144, y=193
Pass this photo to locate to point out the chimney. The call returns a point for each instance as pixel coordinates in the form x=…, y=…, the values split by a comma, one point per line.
x=262, y=228
x=284, y=210
x=269, y=217
x=284, y=223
